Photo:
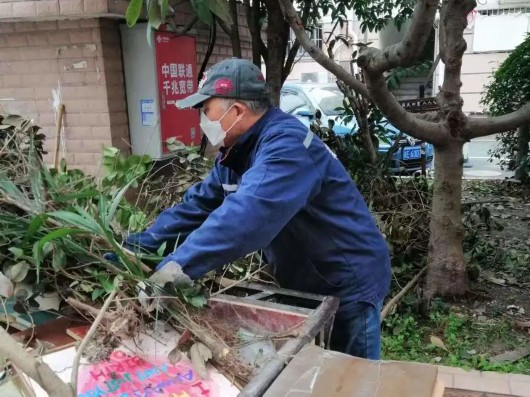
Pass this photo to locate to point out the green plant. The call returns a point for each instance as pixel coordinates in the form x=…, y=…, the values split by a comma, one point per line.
x=508, y=91
x=451, y=337
x=396, y=76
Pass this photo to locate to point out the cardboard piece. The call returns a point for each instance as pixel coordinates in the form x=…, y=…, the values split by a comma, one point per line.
x=315, y=372
x=139, y=367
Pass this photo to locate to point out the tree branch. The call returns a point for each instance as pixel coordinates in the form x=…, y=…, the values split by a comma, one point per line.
x=486, y=126
x=234, y=36
x=35, y=369
x=291, y=56
x=188, y=26
x=401, y=294
x=453, y=21
x=259, y=49
x=407, y=51
x=224, y=27
x=89, y=335
x=291, y=16
x=407, y=122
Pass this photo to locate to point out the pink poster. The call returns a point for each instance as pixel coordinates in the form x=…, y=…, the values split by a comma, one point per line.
x=127, y=375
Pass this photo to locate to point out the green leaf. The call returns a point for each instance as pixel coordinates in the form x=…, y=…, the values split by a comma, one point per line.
x=202, y=9
x=11, y=190
x=221, y=9
x=109, y=216
x=160, y=251
x=73, y=219
x=17, y=252
x=107, y=284
x=197, y=300
x=164, y=8
x=85, y=287
x=153, y=14
x=133, y=12
x=110, y=152
x=59, y=259
x=39, y=247
x=98, y=292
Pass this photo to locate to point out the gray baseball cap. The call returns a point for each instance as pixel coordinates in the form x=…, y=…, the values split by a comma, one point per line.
x=232, y=78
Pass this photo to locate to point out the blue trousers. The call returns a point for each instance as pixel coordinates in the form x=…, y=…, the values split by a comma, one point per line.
x=357, y=330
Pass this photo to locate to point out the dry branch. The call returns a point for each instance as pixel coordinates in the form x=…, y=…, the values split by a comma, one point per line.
x=89, y=335
x=401, y=294
x=35, y=369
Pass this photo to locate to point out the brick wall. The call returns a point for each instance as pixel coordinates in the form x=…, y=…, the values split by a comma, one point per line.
x=82, y=58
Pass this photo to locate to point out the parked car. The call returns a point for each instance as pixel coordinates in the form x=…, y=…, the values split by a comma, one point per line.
x=303, y=100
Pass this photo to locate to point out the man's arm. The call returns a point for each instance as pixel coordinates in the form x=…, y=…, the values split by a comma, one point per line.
x=176, y=223
x=282, y=181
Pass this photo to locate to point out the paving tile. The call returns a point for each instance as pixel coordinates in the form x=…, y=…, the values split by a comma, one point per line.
x=495, y=375
x=447, y=379
x=476, y=383
x=520, y=377
x=520, y=389
x=455, y=370
x=462, y=393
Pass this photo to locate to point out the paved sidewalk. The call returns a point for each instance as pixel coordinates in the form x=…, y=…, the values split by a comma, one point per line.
x=482, y=384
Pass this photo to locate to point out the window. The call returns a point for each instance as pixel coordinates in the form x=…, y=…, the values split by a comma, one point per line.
x=316, y=37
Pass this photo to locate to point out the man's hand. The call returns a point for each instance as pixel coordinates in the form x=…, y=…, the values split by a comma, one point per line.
x=172, y=274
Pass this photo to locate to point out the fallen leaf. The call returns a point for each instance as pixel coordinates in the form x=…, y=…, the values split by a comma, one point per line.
x=18, y=272
x=174, y=356
x=199, y=355
x=6, y=286
x=186, y=335
x=438, y=343
x=510, y=356
x=498, y=281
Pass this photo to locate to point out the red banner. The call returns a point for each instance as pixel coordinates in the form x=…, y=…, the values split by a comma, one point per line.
x=176, y=63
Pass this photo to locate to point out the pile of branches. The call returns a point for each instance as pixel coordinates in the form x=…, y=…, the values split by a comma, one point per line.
x=401, y=206
x=58, y=223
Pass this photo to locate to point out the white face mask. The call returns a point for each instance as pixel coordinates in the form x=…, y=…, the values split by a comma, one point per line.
x=213, y=130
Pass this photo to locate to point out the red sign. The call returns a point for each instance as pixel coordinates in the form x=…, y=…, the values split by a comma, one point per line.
x=176, y=63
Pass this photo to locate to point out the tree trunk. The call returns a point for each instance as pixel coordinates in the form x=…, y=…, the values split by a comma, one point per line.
x=447, y=274
x=234, y=30
x=523, y=138
x=253, y=16
x=277, y=38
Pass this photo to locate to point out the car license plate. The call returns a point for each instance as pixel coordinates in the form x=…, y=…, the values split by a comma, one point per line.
x=412, y=153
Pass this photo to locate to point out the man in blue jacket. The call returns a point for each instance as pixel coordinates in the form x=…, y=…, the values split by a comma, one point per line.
x=278, y=188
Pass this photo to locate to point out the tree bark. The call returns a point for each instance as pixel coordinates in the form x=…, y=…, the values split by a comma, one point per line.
x=447, y=273
x=259, y=49
x=234, y=30
x=479, y=127
x=523, y=138
x=277, y=39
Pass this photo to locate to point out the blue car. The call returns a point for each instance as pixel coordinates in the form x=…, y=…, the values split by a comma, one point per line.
x=303, y=100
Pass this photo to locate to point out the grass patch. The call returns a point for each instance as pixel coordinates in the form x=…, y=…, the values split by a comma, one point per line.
x=466, y=342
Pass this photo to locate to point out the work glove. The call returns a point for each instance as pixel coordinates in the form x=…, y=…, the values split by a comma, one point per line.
x=162, y=283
